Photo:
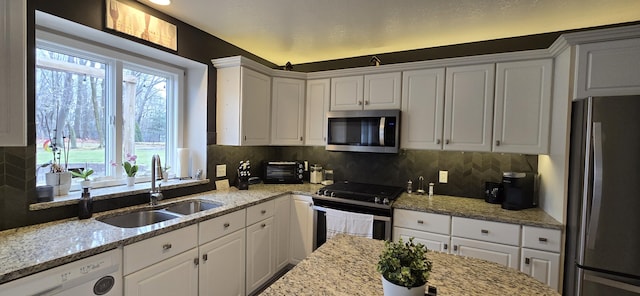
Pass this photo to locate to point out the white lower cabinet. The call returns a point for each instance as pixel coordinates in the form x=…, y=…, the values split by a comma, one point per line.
x=433, y=241
x=301, y=227
x=177, y=275
x=541, y=265
x=222, y=255
x=166, y=264
x=260, y=250
x=502, y=254
x=281, y=220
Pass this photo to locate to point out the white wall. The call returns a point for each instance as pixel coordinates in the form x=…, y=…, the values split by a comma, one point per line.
x=553, y=168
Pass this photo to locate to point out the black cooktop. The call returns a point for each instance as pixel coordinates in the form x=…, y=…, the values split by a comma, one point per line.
x=362, y=192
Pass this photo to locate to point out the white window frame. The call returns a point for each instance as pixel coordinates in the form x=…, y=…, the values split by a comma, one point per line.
x=116, y=60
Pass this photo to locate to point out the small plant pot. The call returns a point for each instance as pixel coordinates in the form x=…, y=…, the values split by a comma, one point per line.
x=131, y=181
x=61, y=182
x=391, y=289
x=85, y=184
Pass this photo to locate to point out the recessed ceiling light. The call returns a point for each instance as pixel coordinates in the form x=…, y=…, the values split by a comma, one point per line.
x=161, y=2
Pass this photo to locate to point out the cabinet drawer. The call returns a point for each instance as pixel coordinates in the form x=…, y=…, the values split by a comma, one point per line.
x=260, y=211
x=433, y=242
x=497, y=232
x=541, y=238
x=221, y=226
x=144, y=253
x=430, y=222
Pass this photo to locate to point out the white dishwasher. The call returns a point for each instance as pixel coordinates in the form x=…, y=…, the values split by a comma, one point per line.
x=96, y=275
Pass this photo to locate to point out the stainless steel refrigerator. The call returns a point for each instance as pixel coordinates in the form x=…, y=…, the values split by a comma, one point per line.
x=603, y=226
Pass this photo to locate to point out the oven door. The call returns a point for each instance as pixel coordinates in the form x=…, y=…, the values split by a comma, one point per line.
x=381, y=223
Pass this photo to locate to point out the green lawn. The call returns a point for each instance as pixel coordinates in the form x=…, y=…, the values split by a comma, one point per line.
x=80, y=156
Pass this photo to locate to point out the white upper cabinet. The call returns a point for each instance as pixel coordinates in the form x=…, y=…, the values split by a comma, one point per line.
x=13, y=73
x=382, y=91
x=317, y=105
x=347, y=93
x=368, y=92
x=522, y=107
x=468, y=107
x=608, y=68
x=422, y=109
x=242, y=107
x=287, y=116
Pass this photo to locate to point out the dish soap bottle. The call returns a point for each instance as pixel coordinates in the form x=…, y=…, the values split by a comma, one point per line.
x=85, y=205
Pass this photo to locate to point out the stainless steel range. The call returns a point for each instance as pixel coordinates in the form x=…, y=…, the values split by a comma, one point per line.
x=371, y=199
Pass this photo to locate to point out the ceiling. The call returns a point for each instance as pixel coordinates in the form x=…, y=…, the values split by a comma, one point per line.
x=303, y=31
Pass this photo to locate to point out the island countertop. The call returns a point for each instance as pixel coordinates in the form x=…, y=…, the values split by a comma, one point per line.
x=346, y=265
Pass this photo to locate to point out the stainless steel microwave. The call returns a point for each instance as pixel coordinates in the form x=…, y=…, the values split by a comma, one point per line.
x=363, y=131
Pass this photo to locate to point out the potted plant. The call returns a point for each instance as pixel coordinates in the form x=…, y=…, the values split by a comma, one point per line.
x=404, y=267
x=59, y=177
x=84, y=174
x=131, y=168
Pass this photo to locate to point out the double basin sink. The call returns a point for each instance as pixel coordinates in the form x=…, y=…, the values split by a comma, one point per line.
x=146, y=217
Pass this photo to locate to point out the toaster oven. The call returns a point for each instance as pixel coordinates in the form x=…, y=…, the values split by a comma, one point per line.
x=283, y=172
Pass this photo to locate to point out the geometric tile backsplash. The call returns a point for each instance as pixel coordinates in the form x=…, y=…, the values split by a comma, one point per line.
x=467, y=170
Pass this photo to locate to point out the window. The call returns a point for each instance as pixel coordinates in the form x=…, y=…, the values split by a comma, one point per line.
x=95, y=106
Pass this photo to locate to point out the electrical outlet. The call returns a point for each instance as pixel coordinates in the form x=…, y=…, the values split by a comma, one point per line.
x=443, y=177
x=221, y=170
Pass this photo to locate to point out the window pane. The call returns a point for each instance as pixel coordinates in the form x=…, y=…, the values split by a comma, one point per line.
x=70, y=112
x=144, y=107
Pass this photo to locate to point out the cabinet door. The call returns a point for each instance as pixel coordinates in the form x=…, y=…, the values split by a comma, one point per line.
x=608, y=68
x=13, y=58
x=222, y=267
x=287, y=116
x=433, y=241
x=260, y=253
x=501, y=254
x=382, y=91
x=543, y=266
x=318, y=100
x=347, y=93
x=177, y=275
x=281, y=220
x=522, y=107
x=301, y=227
x=256, y=103
x=468, y=108
x=422, y=109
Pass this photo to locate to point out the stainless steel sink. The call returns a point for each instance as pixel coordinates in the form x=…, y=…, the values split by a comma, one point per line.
x=192, y=206
x=138, y=219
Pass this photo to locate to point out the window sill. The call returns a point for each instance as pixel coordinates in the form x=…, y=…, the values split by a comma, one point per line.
x=113, y=192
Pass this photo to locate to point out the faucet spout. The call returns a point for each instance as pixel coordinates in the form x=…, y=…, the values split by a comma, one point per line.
x=156, y=168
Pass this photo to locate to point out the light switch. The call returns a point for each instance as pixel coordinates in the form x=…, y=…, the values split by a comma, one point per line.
x=443, y=177
x=221, y=170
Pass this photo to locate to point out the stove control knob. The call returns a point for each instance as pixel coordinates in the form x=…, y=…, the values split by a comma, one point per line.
x=326, y=193
x=333, y=194
x=385, y=201
x=376, y=200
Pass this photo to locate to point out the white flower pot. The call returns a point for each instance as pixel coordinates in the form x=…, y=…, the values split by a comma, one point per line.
x=391, y=289
x=85, y=184
x=61, y=182
x=131, y=181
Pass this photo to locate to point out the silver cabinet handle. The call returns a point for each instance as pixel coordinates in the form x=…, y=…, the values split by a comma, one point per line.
x=455, y=248
x=497, y=142
x=263, y=212
x=446, y=142
x=205, y=257
x=366, y=102
x=226, y=225
x=542, y=239
x=166, y=246
x=484, y=231
x=446, y=246
x=263, y=225
x=438, y=141
x=527, y=261
x=300, y=138
x=420, y=222
x=359, y=102
x=196, y=261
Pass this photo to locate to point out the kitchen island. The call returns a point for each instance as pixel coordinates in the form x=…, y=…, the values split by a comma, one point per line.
x=346, y=265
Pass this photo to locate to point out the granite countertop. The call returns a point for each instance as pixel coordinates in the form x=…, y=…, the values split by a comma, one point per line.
x=27, y=250
x=346, y=265
x=475, y=208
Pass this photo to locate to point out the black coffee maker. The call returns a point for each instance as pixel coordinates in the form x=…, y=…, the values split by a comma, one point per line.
x=520, y=190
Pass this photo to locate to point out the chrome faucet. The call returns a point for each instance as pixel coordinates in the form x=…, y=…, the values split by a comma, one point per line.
x=156, y=173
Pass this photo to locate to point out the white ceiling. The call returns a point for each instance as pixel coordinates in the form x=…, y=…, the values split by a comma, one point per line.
x=302, y=31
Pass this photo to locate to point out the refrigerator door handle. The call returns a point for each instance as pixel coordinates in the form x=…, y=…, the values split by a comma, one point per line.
x=594, y=217
x=612, y=283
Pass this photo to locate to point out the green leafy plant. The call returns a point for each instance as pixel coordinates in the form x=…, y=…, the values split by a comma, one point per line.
x=84, y=174
x=405, y=264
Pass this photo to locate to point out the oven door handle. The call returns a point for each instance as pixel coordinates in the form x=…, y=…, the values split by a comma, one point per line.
x=375, y=217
